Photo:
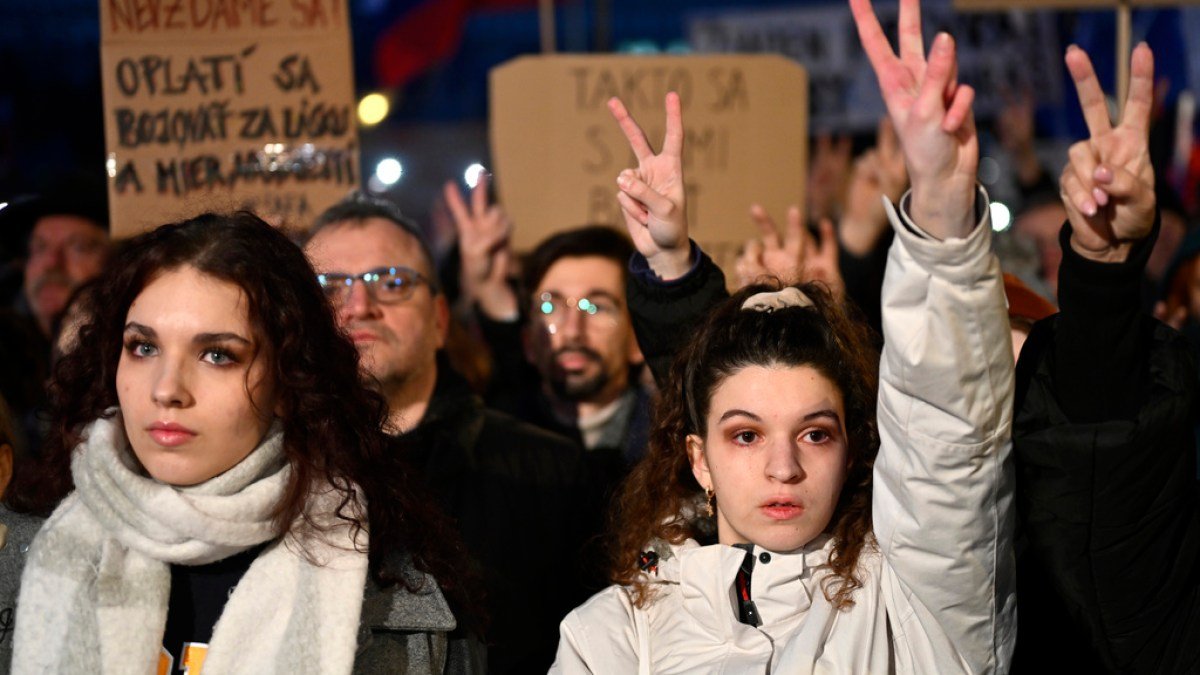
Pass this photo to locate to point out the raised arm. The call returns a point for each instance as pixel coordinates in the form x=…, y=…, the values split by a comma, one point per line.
x=1106, y=407
x=943, y=486
x=672, y=283
x=485, y=250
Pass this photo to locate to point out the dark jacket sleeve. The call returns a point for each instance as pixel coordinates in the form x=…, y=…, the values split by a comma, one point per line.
x=1106, y=459
x=863, y=277
x=514, y=381
x=665, y=313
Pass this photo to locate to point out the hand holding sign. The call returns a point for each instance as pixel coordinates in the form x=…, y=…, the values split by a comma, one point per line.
x=652, y=196
x=932, y=115
x=1108, y=184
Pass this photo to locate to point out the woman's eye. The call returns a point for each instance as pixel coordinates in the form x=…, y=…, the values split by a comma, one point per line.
x=140, y=349
x=218, y=357
x=817, y=436
x=745, y=437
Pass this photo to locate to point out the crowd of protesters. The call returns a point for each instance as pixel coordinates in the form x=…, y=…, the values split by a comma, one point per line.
x=888, y=439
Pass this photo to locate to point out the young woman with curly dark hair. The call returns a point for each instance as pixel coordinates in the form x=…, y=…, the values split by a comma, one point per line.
x=220, y=488
x=791, y=516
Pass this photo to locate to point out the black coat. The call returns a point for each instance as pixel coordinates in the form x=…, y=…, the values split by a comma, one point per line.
x=1106, y=402
x=521, y=500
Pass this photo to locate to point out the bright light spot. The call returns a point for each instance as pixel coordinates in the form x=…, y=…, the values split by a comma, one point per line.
x=1001, y=217
x=389, y=171
x=3, y=205
x=372, y=109
x=472, y=174
x=547, y=308
x=110, y=165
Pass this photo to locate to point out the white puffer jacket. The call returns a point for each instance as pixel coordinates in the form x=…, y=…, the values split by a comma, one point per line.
x=938, y=593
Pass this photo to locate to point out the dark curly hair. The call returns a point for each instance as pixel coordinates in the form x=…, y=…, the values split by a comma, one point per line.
x=331, y=422
x=658, y=500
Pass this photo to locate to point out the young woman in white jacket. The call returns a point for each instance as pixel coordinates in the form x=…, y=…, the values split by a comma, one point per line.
x=858, y=528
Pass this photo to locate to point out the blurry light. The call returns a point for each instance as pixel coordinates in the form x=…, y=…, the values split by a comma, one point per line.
x=3, y=205
x=989, y=171
x=376, y=186
x=639, y=47
x=471, y=175
x=372, y=109
x=1001, y=217
x=110, y=165
x=389, y=171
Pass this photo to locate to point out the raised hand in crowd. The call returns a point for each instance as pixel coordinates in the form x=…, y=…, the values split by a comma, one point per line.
x=932, y=115
x=652, y=195
x=828, y=174
x=484, y=233
x=878, y=171
x=1108, y=184
x=793, y=258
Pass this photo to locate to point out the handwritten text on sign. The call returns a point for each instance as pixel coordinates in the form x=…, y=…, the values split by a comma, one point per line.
x=219, y=104
x=557, y=151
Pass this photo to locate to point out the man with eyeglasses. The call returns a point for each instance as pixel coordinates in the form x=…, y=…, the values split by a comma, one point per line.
x=579, y=374
x=61, y=239
x=519, y=494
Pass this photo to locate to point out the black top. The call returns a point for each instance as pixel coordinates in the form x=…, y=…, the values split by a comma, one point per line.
x=198, y=596
x=523, y=502
x=1105, y=403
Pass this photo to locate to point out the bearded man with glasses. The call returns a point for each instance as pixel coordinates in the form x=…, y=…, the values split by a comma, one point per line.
x=514, y=490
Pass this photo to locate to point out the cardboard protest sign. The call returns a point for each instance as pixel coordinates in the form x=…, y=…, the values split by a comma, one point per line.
x=220, y=105
x=557, y=151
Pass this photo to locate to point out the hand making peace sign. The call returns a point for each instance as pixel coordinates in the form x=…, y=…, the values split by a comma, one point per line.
x=652, y=195
x=932, y=115
x=1108, y=184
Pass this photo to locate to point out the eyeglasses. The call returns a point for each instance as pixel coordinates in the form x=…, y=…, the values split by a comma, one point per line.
x=385, y=285
x=553, y=309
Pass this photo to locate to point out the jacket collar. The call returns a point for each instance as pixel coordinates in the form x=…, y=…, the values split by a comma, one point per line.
x=782, y=584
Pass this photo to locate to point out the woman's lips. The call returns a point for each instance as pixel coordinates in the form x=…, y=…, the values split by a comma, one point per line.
x=170, y=435
x=782, y=510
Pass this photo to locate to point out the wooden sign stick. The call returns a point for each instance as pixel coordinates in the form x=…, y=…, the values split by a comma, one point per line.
x=546, y=25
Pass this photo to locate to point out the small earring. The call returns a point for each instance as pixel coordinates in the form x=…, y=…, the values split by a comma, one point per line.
x=710, y=498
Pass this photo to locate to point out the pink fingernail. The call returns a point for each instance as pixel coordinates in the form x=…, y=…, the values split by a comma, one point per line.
x=1101, y=196
x=1089, y=208
x=1103, y=174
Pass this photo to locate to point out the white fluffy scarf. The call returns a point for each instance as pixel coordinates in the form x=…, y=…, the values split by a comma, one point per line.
x=95, y=588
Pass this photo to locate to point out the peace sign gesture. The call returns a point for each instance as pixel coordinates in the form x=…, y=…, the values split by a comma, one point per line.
x=793, y=257
x=485, y=251
x=1108, y=184
x=652, y=195
x=932, y=115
